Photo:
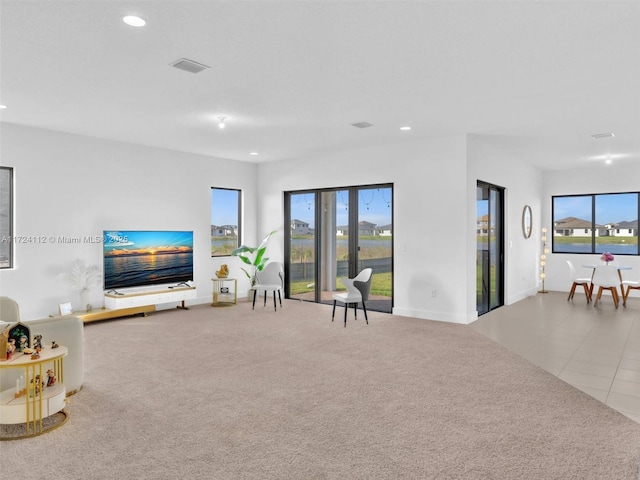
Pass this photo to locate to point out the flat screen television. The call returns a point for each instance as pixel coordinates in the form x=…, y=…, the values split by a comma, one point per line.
x=134, y=258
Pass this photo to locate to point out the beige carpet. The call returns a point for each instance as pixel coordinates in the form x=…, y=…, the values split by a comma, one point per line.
x=230, y=393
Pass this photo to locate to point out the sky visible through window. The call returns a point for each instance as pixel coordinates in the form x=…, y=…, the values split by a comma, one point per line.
x=224, y=207
x=374, y=206
x=611, y=208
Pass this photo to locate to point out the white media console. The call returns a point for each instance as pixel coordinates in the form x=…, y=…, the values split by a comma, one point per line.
x=140, y=297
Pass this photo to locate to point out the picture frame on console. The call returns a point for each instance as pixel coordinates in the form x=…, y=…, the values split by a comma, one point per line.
x=65, y=309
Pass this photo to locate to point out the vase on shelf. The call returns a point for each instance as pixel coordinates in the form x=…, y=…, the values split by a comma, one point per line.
x=84, y=299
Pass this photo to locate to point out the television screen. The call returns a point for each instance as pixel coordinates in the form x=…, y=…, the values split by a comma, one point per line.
x=135, y=258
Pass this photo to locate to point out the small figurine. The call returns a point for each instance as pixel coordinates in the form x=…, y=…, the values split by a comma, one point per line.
x=37, y=384
x=223, y=272
x=51, y=378
x=36, y=354
x=37, y=341
x=54, y=344
x=11, y=347
x=23, y=343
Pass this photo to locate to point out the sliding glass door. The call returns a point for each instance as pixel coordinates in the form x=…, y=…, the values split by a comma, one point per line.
x=301, y=245
x=336, y=233
x=490, y=247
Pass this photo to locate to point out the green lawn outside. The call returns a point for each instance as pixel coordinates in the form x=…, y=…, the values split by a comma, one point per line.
x=599, y=240
x=380, y=285
x=223, y=245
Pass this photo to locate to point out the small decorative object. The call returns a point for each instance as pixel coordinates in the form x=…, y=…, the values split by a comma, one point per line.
x=11, y=347
x=81, y=277
x=38, y=386
x=37, y=341
x=223, y=272
x=224, y=289
x=54, y=344
x=21, y=387
x=66, y=309
x=21, y=333
x=606, y=258
x=5, y=344
x=36, y=354
x=51, y=378
x=543, y=259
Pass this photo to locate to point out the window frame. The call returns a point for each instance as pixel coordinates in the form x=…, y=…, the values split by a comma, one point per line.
x=6, y=237
x=238, y=226
x=595, y=246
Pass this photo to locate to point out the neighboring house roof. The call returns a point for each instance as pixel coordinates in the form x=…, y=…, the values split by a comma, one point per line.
x=226, y=227
x=361, y=226
x=573, y=222
x=626, y=224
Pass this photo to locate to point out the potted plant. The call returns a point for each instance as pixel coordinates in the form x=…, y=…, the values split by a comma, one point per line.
x=254, y=257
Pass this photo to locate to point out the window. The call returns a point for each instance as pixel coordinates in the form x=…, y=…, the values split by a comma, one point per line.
x=596, y=223
x=6, y=217
x=226, y=207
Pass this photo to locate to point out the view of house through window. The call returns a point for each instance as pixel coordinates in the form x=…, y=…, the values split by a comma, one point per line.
x=225, y=220
x=596, y=223
x=6, y=217
x=336, y=233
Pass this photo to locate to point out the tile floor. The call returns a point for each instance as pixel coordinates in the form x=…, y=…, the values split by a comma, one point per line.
x=595, y=349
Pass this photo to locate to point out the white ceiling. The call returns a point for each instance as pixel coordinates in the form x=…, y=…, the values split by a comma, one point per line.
x=292, y=76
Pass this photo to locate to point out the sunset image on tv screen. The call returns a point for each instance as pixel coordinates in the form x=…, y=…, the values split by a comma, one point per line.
x=135, y=258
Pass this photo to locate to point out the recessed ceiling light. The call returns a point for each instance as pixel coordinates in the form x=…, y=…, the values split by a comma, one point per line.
x=405, y=128
x=608, y=160
x=134, y=21
x=602, y=135
x=2, y=107
x=253, y=153
x=221, y=123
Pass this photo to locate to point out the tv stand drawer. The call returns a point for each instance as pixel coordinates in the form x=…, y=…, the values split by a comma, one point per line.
x=138, y=298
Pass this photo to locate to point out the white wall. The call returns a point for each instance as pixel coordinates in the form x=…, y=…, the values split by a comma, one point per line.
x=499, y=161
x=75, y=186
x=619, y=177
x=430, y=215
x=70, y=185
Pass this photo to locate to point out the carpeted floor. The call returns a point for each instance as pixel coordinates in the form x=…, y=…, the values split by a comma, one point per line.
x=231, y=393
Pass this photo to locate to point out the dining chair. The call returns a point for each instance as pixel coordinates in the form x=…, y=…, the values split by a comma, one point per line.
x=631, y=285
x=606, y=277
x=578, y=281
x=270, y=279
x=357, y=292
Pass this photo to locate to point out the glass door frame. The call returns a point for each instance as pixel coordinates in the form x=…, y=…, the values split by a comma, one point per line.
x=353, y=238
x=495, y=255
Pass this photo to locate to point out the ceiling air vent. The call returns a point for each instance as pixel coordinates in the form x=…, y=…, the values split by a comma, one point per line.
x=189, y=65
x=362, y=125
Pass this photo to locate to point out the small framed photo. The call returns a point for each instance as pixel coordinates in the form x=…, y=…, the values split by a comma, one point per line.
x=66, y=308
x=224, y=289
